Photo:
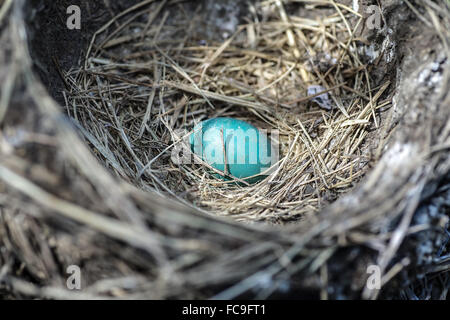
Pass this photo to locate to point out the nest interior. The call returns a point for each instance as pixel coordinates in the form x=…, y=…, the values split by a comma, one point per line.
x=152, y=74
x=101, y=190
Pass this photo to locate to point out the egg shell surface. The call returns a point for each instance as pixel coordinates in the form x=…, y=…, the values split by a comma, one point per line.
x=248, y=150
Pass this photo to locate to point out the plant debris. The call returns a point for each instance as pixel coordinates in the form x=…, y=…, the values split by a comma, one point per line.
x=147, y=80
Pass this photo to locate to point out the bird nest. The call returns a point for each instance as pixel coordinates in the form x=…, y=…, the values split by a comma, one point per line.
x=91, y=119
x=150, y=78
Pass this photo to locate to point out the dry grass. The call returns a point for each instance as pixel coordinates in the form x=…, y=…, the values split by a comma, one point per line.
x=60, y=207
x=145, y=79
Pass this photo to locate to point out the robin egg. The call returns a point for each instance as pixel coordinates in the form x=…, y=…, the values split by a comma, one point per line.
x=234, y=147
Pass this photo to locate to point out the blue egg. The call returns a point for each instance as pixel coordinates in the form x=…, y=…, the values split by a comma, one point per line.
x=248, y=151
